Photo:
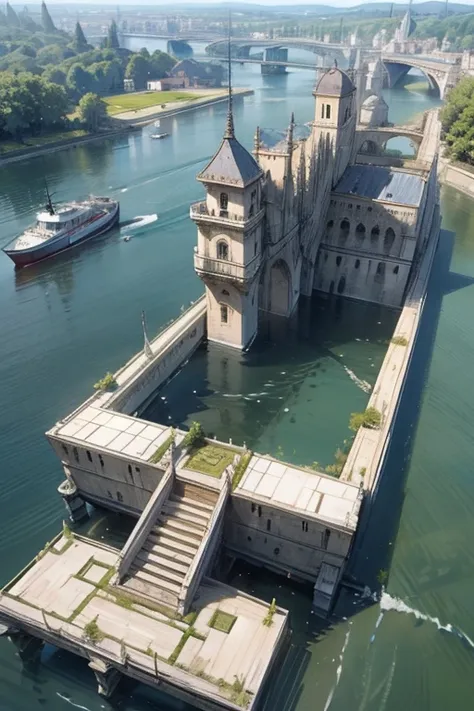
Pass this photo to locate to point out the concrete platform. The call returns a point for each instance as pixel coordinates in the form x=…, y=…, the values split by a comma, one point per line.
x=66, y=597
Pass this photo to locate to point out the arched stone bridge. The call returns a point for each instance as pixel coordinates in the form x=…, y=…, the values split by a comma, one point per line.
x=219, y=48
x=373, y=140
x=441, y=75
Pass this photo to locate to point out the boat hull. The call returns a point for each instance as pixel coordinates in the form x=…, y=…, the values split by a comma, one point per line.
x=26, y=257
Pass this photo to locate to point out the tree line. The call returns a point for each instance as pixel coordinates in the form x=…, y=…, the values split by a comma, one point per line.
x=45, y=72
x=457, y=118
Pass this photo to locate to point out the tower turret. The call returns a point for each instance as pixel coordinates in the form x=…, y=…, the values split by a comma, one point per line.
x=229, y=250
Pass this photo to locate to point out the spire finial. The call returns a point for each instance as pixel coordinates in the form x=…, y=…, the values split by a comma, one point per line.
x=257, y=140
x=146, y=346
x=229, y=128
x=289, y=134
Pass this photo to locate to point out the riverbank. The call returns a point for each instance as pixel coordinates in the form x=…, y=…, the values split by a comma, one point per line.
x=15, y=156
x=204, y=97
x=457, y=176
x=128, y=121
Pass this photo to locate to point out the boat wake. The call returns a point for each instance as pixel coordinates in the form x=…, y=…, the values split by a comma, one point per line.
x=389, y=603
x=65, y=698
x=139, y=221
x=362, y=384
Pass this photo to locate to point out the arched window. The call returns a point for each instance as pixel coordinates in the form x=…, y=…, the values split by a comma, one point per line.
x=344, y=230
x=224, y=314
x=388, y=240
x=223, y=204
x=380, y=273
x=338, y=261
x=357, y=263
x=222, y=250
x=360, y=232
x=375, y=234
x=322, y=110
x=328, y=111
x=342, y=285
x=395, y=269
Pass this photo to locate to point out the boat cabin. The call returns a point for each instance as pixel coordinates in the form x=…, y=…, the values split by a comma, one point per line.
x=63, y=219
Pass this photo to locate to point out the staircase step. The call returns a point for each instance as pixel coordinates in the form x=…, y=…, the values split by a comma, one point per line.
x=152, y=558
x=164, y=551
x=174, y=539
x=158, y=572
x=198, y=514
x=194, y=503
x=195, y=493
x=151, y=592
x=154, y=581
x=176, y=513
x=190, y=531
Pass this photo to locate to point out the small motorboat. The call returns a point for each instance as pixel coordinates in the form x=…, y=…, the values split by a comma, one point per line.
x=158, y=136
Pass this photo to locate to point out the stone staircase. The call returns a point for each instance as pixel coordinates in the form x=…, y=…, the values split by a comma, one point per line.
x=160, y=567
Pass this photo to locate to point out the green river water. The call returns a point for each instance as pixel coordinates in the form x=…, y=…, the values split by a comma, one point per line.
x=65, y=322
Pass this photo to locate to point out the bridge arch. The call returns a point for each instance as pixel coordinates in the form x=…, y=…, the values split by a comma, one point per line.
x=372, y=141
x=396, y=70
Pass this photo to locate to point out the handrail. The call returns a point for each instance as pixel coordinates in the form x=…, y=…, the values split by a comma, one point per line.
x=145, y=523
x=195, y=572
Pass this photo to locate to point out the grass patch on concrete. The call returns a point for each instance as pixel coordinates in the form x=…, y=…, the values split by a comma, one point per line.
x=240, y=469
x=144, y=100
x=222, y=621
x=399, y=341
x=162, y=449
x=211, y=459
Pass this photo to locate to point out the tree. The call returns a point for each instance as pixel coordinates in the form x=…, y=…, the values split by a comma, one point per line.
x=112, y=37
x=12, y=17
x=161, y=63
x=138, y=69
x=80, y=42
x=93, y=111
x=79, y=81
x=55, y=76
x=53, y=54
x=46, y=21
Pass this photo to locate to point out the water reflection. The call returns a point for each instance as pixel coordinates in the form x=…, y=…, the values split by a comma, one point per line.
x=295, y=388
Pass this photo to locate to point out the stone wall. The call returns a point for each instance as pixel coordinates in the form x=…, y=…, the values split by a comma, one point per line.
x=459, y=178
x=175, y=345
x=282, y=539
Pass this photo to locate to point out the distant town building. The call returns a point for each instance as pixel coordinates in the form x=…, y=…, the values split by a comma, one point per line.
x=195, y=73
x=128, y=85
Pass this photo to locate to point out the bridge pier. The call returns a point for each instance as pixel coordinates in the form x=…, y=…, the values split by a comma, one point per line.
x=275, y=54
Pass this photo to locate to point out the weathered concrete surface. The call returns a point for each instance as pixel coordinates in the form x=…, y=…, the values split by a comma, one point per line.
x=456, y=176
x=58, y=596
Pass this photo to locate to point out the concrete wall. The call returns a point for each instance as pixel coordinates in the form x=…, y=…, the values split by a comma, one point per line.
x=457, y=177
x=283, y=539
x=178, y=342
x=112, y=481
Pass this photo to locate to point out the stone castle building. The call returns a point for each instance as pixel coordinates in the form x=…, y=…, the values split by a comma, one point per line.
x=320, y=208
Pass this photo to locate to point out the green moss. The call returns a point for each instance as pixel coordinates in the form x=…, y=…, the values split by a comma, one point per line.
x=371, y=418
x=211, y=459
x=177, y=650
x=240, y=469
x=162, y=449
x=222, y=621
x=190, y=618
x=399, y=341
x=92, y=632
x=107, y=383
x=268, y=619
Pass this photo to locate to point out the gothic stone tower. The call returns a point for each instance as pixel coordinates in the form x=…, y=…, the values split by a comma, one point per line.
x=335, y=117
x=229, y=250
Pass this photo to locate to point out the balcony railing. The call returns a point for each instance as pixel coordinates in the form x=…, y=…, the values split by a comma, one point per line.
x=224, y=268
x=200, y=210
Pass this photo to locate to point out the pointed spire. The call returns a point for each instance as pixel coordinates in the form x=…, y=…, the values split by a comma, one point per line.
x=147, y=348
x=229, y=128
x=289, y=134
x=257, y=141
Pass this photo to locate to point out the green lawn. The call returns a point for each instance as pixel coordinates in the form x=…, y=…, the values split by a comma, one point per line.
x=222, y=621
x=143, y=100
x=211, y=459
x=33, y=141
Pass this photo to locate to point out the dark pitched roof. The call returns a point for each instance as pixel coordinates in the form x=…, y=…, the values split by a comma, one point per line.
x=334, y=83
x=380, y=183
x=231, y=165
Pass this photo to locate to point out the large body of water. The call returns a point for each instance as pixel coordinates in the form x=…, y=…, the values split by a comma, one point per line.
x=67, y=321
